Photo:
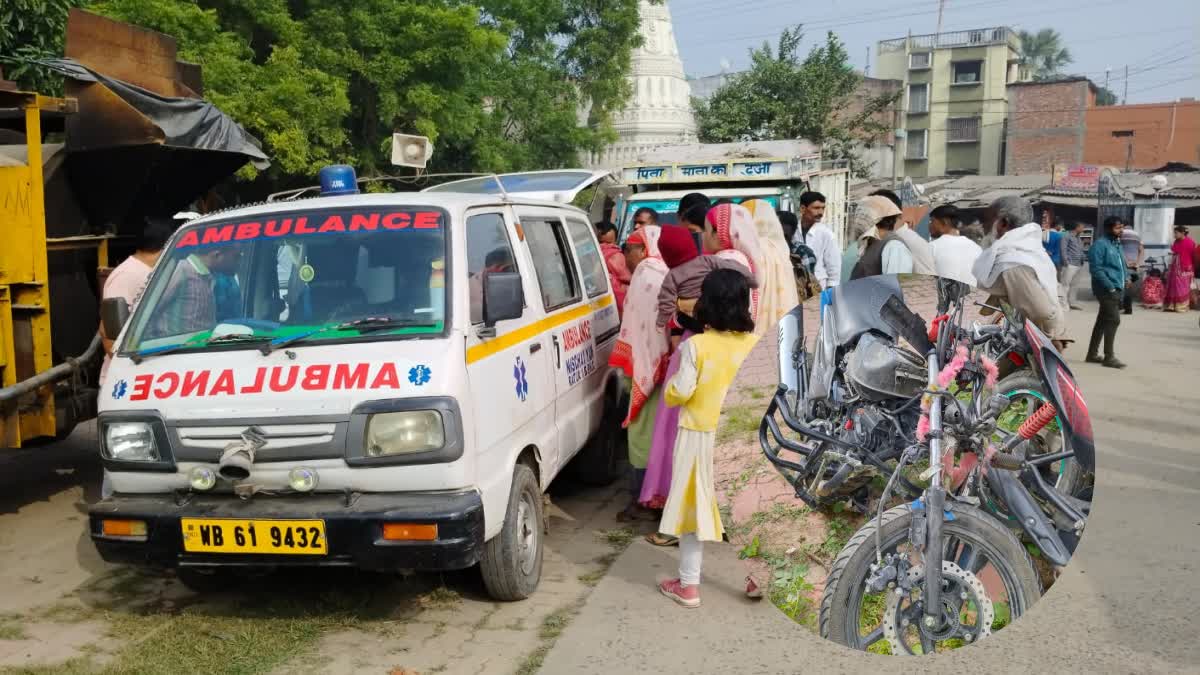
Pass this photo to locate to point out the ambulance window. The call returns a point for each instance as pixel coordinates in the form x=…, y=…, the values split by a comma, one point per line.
x=595, y=276
x=549, y=249
x=487, y=249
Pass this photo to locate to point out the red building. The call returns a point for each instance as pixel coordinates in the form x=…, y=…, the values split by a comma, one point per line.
x=1059, y=123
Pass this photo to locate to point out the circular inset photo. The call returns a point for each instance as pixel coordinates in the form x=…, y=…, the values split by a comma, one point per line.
x=917, y=470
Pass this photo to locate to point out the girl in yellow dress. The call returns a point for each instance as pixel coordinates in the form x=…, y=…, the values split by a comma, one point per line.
x=709, y=362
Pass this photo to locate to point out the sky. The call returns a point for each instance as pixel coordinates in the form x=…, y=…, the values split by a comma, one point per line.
x=1162, y=48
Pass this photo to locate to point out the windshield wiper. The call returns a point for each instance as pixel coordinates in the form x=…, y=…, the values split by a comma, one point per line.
x=139, y=356
x=365, y=325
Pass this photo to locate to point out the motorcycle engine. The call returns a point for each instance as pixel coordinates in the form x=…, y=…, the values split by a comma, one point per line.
x=868, y=429
x=880, y=370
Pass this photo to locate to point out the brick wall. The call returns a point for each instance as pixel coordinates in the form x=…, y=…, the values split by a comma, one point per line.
x=1046, y=125
x=1163, y=132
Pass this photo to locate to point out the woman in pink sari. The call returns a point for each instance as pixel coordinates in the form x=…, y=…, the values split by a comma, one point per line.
x=1181, y=272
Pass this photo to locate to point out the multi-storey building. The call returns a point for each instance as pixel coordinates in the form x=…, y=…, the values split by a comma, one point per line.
x=955, y=98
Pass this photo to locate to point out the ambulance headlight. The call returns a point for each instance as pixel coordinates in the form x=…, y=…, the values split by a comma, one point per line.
x=130, y=442
x=404, y=433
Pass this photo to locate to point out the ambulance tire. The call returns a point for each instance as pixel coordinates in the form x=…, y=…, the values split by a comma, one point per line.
x=603, y=459
x=511, y=564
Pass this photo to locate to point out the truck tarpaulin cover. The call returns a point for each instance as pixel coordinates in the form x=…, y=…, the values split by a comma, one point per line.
x=135, y=153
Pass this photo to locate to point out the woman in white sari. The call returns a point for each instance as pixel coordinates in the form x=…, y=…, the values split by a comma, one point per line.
x=777, y=293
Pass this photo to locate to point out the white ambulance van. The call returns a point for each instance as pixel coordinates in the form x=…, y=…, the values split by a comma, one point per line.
x=382, y=381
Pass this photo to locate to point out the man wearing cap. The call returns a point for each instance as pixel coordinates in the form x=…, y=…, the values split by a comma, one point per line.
x=890, y=249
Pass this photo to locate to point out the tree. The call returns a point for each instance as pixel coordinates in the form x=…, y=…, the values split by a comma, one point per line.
x=1105, y=96
x=1043, y=53
x=496, y=84
x=784, y=97
x=33, y=29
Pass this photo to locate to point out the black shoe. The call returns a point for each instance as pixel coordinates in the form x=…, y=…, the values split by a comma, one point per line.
x=1128, y=311
x=1112, y=362
x=1092, y=358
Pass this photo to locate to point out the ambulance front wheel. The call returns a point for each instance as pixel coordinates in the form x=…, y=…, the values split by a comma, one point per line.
x=511, y=564
x=603, y=459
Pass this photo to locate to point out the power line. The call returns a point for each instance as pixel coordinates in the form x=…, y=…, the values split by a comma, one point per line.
x=1167, y=83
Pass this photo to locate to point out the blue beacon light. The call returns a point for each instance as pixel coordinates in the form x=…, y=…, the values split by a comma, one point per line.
x=338, y=179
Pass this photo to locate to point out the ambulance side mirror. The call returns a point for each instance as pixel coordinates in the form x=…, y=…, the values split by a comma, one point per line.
x=114, y=312
x=503, y=297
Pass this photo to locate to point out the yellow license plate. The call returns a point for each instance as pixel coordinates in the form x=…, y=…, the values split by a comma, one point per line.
x=276, y=537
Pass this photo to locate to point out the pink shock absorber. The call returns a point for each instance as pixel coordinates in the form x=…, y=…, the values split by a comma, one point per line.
x=1031, y=427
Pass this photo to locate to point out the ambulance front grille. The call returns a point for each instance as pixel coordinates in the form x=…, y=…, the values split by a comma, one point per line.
x=284, y=441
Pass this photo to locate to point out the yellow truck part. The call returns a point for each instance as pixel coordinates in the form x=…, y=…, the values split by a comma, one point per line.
x=25, y=348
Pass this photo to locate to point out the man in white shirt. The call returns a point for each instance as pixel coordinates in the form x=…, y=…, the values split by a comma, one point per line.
x=953, y=254
x=818, y=237
x=1015, y=267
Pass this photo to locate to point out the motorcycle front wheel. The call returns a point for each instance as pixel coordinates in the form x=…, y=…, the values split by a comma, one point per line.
x=993, y=558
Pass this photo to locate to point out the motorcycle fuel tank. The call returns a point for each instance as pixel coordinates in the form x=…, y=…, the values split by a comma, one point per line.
x=880, y=370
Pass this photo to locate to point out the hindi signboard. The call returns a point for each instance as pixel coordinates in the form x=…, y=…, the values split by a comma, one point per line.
x=1082, y=177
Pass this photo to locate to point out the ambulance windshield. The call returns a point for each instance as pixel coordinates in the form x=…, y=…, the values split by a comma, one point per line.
x=317, y=275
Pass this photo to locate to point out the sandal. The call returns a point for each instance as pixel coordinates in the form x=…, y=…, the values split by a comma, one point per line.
x=660, y=539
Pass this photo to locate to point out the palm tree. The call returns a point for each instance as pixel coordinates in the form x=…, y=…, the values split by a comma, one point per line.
x=1043, y=54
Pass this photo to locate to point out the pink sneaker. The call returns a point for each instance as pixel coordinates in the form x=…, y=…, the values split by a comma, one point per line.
x=688, y=596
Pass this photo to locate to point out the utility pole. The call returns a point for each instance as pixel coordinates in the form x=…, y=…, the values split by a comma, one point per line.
x=1125, y=98
x=941, y=7
x=867, y=67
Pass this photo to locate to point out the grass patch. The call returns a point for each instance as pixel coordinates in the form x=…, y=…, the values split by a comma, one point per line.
x=750, y=550
x=552, y=627
x=740, y=481
x=1003, y=615
x=777, y=513
x=619, y=538
x=870, y=616
x=440, y=598
x=592, y=578
x=245, y=641
x=840, y=529
x=11, y=629
x=738, y=422
x=789, y=591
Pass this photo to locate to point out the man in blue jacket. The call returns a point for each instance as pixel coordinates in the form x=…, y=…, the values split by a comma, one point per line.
x=1110, y=277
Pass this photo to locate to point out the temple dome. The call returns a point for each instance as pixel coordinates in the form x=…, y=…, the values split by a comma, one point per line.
x=659, y=110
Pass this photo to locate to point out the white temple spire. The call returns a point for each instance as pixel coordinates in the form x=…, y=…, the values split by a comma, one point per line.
x=660, y=109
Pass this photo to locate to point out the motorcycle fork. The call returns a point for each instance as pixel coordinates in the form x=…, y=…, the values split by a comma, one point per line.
x=935, y=509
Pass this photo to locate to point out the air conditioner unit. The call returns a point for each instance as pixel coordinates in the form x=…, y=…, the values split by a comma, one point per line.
x=411, y=151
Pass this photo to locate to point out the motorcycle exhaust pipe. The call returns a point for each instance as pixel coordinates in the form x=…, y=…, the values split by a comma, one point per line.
x=791, y=346
x=238, y=457
x=827, y=487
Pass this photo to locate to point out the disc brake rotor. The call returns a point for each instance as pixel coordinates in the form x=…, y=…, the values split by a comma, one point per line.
x=963, y=587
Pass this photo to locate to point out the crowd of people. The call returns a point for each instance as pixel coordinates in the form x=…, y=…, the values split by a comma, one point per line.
x=695, y=297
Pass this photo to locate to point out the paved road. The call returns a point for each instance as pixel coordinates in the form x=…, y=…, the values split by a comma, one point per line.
x=1125, y=604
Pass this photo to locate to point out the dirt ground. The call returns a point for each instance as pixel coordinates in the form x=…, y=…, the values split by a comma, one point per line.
x=63, y=610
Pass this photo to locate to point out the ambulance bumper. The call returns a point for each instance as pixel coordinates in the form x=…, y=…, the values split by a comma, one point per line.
x=353, y=529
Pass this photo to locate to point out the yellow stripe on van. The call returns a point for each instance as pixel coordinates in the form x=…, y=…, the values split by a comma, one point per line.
x=516, y=337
